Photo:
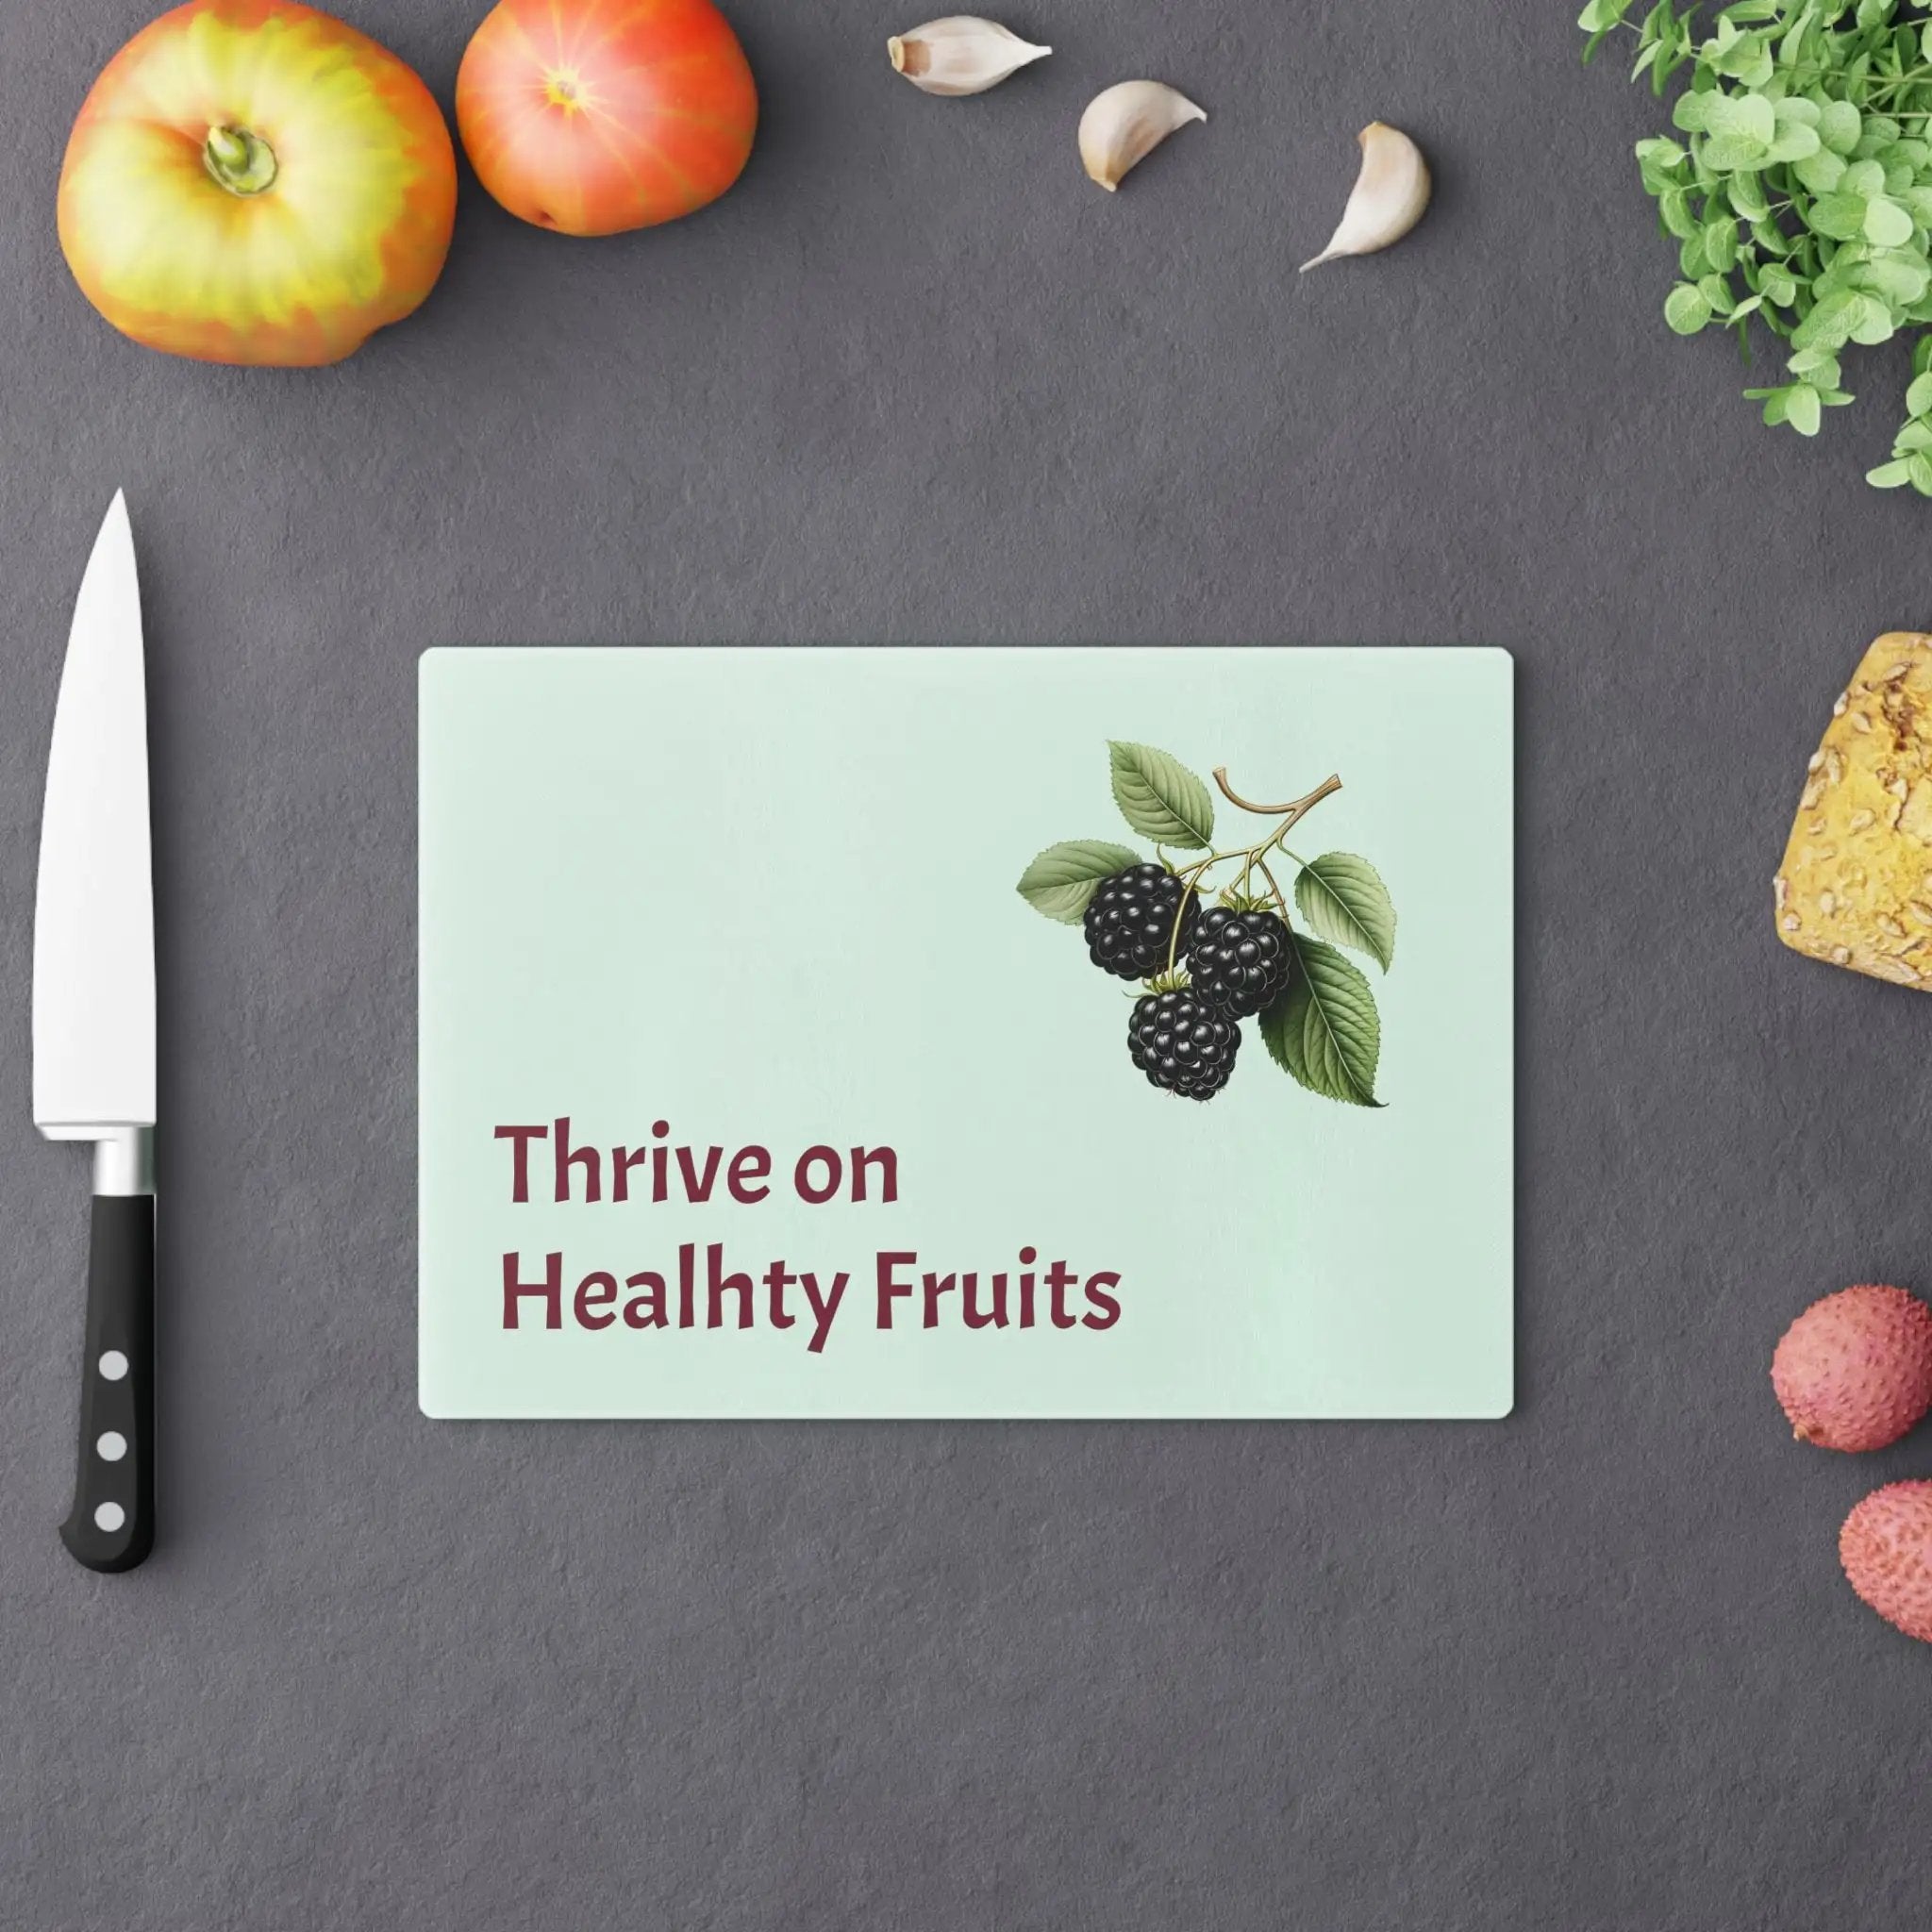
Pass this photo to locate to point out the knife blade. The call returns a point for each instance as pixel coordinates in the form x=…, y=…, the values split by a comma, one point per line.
x=93, y=1033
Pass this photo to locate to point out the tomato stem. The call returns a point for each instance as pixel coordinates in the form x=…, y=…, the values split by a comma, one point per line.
x=243, y=162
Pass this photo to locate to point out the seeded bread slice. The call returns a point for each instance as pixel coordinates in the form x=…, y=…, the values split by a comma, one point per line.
x=1855, y=884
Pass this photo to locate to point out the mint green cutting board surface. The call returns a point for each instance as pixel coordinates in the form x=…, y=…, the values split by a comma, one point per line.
x=767, y=896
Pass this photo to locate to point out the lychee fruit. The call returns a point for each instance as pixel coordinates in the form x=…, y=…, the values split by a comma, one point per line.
x=1854, y=1370
x=1886, y=1547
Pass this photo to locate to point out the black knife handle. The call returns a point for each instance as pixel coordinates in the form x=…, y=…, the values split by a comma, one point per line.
x=111, y=1525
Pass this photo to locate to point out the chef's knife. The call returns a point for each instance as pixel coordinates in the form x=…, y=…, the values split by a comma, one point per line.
x=94, y=1035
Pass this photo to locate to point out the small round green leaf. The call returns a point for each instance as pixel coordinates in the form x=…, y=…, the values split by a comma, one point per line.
x=1887, y=225
x=1685, y=309
x=1673, y=209
x=1746, y=194
x=1820, y=172
x=1689, y=113
x=1865, y=176
x=1803, y=409
x=1872, y=321
x=1748, y=116
x=1796, y=142
x=1841, y=215
x=1722, y=153
x=1838, y=126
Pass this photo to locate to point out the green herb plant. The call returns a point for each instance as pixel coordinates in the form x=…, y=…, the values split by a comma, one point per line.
x=1801, y=194
x=1324, y=1030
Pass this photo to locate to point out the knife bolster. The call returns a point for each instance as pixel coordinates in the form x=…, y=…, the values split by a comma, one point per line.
x=124, y=1161
x=124, y=1153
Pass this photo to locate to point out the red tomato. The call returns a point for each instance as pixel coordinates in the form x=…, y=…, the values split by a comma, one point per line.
x=594, y=116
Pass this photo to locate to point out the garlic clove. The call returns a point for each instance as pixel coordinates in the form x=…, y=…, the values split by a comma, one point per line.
x=1387, y=199
x=959, y=54
x=1126, y=123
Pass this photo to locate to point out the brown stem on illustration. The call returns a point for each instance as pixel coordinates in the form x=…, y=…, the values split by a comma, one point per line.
x=1296, y=808
x=1253, y=857
x=1279, y=899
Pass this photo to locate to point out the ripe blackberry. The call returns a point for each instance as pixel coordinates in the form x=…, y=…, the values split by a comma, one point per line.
x=1240, y=962
x=1129, y=923
x=1182, y=1045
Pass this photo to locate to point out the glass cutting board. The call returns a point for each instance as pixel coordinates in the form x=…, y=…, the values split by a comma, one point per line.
x=766, y=1072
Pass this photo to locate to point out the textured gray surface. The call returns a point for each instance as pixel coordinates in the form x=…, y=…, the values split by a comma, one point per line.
x=916, y=379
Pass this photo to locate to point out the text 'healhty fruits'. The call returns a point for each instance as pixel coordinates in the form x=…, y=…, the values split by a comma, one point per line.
x=595, y=116
x=1854, y=1370
x=253, y=182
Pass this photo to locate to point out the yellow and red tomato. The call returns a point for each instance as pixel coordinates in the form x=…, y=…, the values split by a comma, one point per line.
x=254, y=181
x=594, y=116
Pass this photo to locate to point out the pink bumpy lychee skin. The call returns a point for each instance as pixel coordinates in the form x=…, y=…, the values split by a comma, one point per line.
x=1854, y=1370
x=1886, y=1547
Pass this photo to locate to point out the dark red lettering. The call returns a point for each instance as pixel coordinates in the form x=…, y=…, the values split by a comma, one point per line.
x=597, y=1292
x=1110, y=1309
x=550, y=1288
x=520, y=1182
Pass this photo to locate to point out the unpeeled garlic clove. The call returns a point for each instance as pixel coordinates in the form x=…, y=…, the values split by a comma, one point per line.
x=1126, y=123
x=960, y=54
x=1387, y=199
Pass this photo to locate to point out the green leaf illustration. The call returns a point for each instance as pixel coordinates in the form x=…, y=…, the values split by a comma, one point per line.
x=1159, y=797
x=1342, y=895
x=1061, y=880
x=1325, y=1029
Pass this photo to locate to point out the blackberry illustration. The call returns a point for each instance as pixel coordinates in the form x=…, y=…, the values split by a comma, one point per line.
x=1129, y=922
x=1224, y=928
x=1241, y=960
x=1182, y=1045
